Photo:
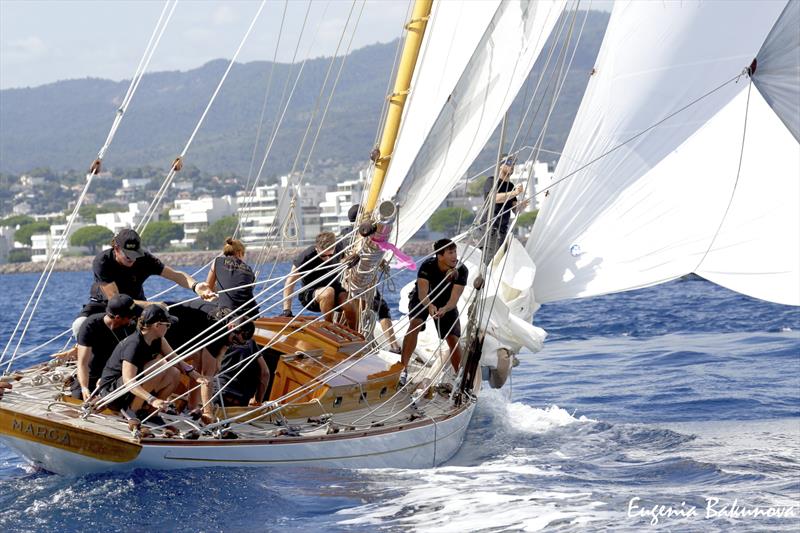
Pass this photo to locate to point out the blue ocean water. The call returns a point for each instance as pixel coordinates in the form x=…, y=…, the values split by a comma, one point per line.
x=685, y=396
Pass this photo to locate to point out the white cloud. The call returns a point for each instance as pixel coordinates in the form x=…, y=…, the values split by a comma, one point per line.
x=224, y=15
x=25, y=49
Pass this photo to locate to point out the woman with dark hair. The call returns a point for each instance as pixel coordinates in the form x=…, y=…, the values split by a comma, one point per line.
x=234, y=278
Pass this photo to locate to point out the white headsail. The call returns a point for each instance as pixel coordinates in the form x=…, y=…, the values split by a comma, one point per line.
x=475, y=58
x=652, y=191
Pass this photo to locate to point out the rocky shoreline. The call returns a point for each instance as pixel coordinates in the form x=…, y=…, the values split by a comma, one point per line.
x=177, y=259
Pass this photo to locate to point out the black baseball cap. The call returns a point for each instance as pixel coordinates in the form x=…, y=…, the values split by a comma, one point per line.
x=509, y=160
x=122, y=305
x=130, y=244
x=352, y=213
x=155, y=313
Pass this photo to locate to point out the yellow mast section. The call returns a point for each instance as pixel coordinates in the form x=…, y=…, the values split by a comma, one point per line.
x=397, y=100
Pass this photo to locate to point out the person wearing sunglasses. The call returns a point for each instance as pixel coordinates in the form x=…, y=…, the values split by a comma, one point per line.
x=315, y=267
x=143, y=350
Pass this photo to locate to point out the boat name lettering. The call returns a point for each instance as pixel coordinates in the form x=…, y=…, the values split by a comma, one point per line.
x=41, y=432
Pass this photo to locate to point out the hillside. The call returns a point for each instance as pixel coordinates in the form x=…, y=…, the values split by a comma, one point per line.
x=61, y=125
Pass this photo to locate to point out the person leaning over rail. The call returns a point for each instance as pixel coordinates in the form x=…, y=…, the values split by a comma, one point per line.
x=123, y=269
x=322, y=292
x=234, y=278
x=99, y=335
x=146, y=349
x=208, y=331
x=440, y=283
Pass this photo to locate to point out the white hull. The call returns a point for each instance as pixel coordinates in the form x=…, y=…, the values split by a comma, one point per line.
x=421, y=446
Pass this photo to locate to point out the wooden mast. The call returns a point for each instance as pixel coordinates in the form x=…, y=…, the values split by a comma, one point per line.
x=397, y=100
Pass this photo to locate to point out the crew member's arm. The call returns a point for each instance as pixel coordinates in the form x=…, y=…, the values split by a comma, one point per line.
x=211, y=279
x=185, y=368
x=111, y=290
x=503, y=197
x=422, y=291
x=201, y=288
x=288, y=290
x=455, y=294
x=262, y=384
x=84, y=358
x=129, y=372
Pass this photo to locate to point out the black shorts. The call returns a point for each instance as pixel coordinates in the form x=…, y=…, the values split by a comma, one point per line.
x=445, y=326
x=306, y=296
x=123, y=401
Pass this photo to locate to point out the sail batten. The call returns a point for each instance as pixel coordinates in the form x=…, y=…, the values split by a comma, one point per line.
x=675, y=200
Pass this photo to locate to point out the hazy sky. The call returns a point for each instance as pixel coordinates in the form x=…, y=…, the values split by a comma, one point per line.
x=46, y=41
x=42, y=41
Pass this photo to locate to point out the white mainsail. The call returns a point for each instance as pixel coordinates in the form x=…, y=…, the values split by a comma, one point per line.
x=635, y=209
x=475, y=58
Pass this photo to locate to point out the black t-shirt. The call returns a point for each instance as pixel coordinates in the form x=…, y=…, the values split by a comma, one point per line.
x=312, y=268
x=95, y=334
x=233, y=272
x=129, y=280
x=246, y=383
x=429, y=270
x=197, y=318
x=503, y=209
x=133, y=349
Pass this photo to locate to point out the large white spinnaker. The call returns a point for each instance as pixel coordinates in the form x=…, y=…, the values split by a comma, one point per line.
x=475, y=58
x=674, y=200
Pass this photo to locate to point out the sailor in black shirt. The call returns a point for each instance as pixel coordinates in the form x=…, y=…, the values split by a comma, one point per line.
x=505, y=201
x=440, y=283
x=97, y=338
x=316, y=268
x=123, y=269
x=142, y=350
x=234, y=279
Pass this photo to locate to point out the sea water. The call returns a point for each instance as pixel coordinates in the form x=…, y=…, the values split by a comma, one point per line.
x=674, y=408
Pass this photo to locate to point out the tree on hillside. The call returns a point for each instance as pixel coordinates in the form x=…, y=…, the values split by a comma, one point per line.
x=214, y=237
x=158, y=234
x=450, y=219
x=17, y=220
x=23, y=234
x=526, y=220
x=92, y=237
x=475, y=188
x=89, y=211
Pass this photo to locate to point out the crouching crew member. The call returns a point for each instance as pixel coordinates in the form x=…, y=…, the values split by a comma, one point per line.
x=146, y=349
x=98, y=337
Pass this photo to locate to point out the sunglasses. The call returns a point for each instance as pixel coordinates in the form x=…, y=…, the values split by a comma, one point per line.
x=167, y=324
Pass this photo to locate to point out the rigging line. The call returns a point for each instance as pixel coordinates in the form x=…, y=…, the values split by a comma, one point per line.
x=273, y=228
x=284, y=103
x=267, y=91
x=323, y=378
x=637, y=135
x=735, y=183
x=45, y=276
x=157, y=200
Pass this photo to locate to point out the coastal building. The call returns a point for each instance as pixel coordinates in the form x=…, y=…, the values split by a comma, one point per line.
x=123, y=219
x=336, y=204
x=43, y=244
x=197, y=215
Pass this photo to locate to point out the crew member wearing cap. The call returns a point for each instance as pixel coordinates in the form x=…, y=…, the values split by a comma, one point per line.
x=147, y=348
x=97, y=338
x=322, y=292
x=123, y=269
x=505, y=201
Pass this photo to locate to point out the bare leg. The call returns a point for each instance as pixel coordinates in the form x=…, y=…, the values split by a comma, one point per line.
x=350, y=310
x=326, y=299
x=455, y=351
x=388, y=329
x=410, y=341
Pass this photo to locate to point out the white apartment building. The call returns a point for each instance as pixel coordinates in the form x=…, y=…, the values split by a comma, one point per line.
x=197, y=215
x=337, y=203
x=43, y=244
x=264, y=213
x=123, y=219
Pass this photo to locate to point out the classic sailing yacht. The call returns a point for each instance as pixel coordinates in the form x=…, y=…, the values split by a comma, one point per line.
x=659, y=178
